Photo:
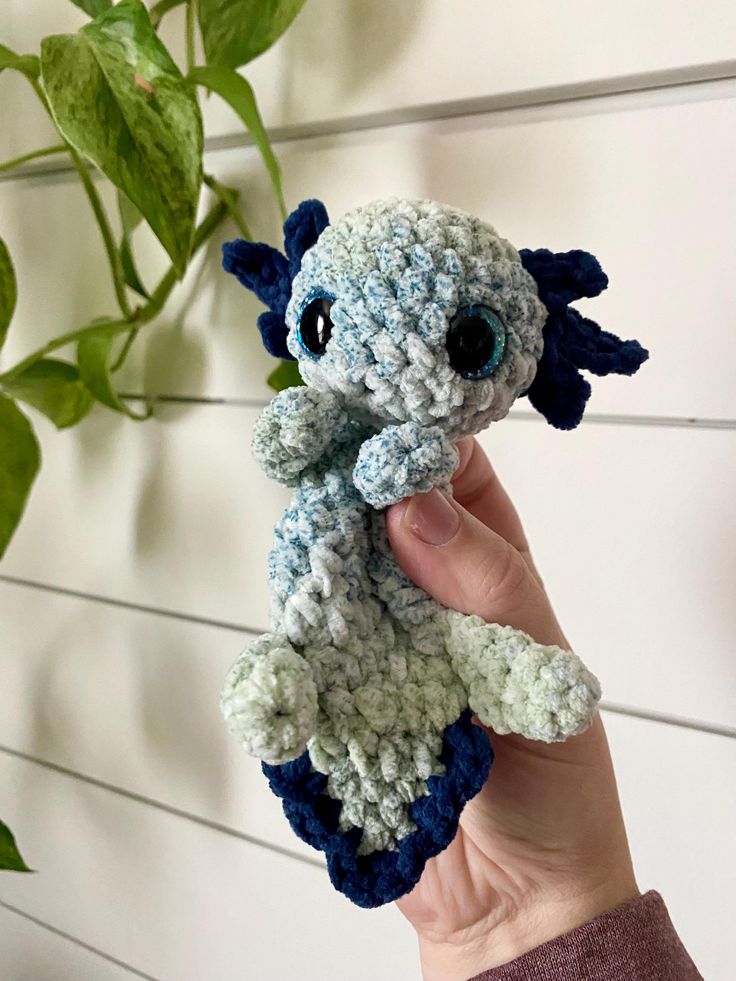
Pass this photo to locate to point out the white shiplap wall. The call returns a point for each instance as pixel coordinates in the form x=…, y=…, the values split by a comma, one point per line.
x=139, y=569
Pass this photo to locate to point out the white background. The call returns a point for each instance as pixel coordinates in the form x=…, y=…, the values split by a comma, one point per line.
x=139, y=568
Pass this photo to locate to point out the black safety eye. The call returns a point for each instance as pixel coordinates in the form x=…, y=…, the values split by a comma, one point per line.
x=315, y=325
x=475, y=342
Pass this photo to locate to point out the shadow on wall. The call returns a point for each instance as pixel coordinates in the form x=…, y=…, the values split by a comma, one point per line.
x=353, y=42
x=175, y=357
x=498, y=170
x=171, y=356
x=207, y=342
x=59, y=287
x=155, y=686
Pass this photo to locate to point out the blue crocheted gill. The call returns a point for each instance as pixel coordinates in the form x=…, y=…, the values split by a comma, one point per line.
x=571, y=341
x=269, y=274
x=383, y=876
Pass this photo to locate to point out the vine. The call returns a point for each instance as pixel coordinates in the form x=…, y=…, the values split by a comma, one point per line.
x=125, y=110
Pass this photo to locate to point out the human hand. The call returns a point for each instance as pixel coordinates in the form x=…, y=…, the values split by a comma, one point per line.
x=542, y=848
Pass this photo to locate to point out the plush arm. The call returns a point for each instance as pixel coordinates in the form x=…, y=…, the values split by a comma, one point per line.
x=295, y=430
x=403, y=460
x=270, y=700
x=516, y=685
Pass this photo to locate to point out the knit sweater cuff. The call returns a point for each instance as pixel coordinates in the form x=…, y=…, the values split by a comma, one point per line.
x=634, y=942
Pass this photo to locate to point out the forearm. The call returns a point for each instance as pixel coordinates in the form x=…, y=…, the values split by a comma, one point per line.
x=634, y=941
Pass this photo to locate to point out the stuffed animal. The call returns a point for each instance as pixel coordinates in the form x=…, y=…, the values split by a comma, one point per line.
x=414, y=325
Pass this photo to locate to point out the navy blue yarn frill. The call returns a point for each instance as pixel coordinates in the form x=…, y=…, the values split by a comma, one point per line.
x=572, y=342
x=266, y=272
x=383, y=876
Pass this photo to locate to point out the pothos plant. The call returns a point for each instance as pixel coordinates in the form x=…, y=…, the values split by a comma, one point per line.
x=124, y=110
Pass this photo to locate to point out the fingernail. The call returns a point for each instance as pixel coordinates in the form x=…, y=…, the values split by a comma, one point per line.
x=464, y=452
x=431, y=518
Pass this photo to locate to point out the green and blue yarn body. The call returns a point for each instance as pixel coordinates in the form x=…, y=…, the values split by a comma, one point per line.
x=414, y=325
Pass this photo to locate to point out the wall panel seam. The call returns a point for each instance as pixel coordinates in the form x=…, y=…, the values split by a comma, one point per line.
x=527, y=415
x=680, y=721
x=160, y=806
x=652, y=715
x=254, y=840
x=239, y=628
x=44, y=925
x=617, y=86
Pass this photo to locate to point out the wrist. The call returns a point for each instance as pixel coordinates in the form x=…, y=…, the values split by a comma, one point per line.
x=517, y=927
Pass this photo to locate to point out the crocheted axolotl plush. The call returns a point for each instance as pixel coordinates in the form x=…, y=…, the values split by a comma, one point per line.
x=414, y=325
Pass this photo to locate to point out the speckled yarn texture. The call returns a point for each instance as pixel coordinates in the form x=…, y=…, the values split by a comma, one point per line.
x=359, y=700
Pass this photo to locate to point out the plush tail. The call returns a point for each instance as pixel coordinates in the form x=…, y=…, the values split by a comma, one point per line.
x=383, y=876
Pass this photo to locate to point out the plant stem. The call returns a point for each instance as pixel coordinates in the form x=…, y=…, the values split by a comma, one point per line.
x=120, y=360
x=158, y=10
x=113, y=255
x=138, y=317
x=46, y=152
x=191, y=52
x=229, y=197
x=55, y=344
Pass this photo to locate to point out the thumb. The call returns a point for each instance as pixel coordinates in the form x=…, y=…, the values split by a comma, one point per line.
x=467, y=567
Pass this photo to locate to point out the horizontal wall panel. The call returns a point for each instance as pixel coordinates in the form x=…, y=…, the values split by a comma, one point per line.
x=378, y=57
x=632, y=528
x=169, y=513
x=630, y=179
x=132, y=700
x=346, y=60
x=678, y=794
x=60, y=288
x=186, y=902
x=192, y=903
x=29, y=952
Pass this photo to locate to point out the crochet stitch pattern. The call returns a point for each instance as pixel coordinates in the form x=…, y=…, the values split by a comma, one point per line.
x=414, y=325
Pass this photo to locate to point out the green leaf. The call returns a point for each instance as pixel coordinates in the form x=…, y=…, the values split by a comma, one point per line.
x=10, y=857
x=130, y=218
x=130, y=271
x=26, y=64
x=118, y=97
x=235, y=31
x=93, y=7
x=237, y=92
x=94, y=355
x=8, y=291
x=54, y=388
x=20, y=458
x=285, y=376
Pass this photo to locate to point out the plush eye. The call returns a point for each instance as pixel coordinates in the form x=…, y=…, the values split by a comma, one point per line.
x=315, y=326
x=475, y=341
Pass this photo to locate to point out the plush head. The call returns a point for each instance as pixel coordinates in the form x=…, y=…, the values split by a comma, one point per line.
x=415, y=311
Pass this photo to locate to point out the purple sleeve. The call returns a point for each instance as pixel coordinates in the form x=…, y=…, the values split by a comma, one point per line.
x=634, y=942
